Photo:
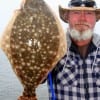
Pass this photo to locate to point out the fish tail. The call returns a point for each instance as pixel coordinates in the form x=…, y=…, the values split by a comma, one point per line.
x=27, y=98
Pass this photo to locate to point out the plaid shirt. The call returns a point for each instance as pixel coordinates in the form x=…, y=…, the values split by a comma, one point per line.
x=75, y=78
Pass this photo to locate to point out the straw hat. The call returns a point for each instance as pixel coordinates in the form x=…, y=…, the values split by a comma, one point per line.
x=79, y=5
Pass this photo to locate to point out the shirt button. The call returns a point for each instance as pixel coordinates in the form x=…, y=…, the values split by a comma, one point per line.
x=86, y=86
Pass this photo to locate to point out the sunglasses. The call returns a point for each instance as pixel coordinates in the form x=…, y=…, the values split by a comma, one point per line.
x=86, y=3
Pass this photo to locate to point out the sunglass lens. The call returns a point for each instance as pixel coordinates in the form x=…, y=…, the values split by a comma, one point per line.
x=75, y=4
x=90, y=4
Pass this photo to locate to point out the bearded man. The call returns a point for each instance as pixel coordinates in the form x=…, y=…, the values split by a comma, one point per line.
x=77, y=75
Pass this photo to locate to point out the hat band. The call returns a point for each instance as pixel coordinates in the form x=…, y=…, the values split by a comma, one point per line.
x=77, y=3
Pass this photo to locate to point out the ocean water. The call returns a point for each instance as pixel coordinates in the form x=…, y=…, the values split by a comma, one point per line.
x=10, y=87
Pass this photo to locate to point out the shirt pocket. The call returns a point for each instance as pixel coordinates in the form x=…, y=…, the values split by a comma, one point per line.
x=97, y=73
x=68, y=76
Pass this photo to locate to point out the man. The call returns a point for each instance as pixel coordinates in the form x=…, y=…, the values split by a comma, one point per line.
x=77, y=74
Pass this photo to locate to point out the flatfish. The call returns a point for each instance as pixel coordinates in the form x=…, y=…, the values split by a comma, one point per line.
x=34, y=42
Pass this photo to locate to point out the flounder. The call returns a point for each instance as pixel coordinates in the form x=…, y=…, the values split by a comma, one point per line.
x=34, y=42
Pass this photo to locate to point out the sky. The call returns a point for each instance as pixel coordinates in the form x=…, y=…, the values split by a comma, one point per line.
x=7, y=8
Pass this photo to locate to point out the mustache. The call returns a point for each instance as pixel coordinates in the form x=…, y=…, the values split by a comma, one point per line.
x=86, y=24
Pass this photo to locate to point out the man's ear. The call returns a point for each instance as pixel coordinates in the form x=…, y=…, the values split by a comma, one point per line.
x=97, y=16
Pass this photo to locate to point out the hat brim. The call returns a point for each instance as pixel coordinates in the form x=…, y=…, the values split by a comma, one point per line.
x=63, y=13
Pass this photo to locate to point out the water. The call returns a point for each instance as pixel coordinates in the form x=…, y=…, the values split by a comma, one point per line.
x=10, y=87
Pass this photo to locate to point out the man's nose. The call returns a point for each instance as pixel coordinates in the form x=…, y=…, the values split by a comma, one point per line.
x=83, y=16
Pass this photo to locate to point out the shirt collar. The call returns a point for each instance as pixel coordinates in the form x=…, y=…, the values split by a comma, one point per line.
x=92, y=47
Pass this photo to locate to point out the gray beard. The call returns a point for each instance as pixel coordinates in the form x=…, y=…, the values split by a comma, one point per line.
x=76, y=35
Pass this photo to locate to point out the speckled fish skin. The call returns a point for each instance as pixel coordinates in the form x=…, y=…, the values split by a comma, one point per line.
x=34, y=42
